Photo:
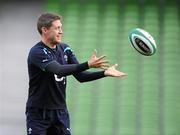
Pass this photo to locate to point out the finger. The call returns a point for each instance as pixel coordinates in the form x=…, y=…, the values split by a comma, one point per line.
x=123, y=74
x=102, y=66
x=102, y=61
x=95, y=52
x=115, y=65
x=105, y=68
x=105, y=65
x=119, y=75
x=102, y=57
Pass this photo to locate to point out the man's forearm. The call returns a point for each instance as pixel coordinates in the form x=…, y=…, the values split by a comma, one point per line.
x=86, y=76
x=64, y=70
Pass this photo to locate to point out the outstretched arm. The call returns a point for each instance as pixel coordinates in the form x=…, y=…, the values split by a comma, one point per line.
x=69, y=69
x=86, y=76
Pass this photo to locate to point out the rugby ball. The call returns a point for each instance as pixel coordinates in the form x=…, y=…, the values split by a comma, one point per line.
x=142, y=41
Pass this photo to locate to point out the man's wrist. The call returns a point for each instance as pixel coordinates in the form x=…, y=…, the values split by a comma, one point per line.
x=105, y=73
x=88, y=63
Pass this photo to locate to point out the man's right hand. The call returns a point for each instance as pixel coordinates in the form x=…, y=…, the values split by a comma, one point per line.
x=97, y=62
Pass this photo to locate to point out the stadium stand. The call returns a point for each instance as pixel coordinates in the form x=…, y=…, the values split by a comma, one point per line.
x=144, y=102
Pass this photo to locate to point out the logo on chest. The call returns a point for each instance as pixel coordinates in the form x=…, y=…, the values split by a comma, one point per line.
x=66, y=58
x=60, y=79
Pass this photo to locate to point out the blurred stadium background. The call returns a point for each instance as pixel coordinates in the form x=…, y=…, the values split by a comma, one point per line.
x=146, y=102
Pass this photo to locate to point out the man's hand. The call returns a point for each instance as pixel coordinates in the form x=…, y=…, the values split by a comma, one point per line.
x=97, y=62
x=112, y=71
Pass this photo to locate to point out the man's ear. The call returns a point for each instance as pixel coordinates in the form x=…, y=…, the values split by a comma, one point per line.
x=44, y=29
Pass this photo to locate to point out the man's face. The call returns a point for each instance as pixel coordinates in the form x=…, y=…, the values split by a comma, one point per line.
x=54, y=33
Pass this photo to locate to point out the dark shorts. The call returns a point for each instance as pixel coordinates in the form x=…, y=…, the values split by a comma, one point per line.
x=47, y=122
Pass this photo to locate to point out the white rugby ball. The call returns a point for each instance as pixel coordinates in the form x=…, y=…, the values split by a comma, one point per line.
x=142, y=41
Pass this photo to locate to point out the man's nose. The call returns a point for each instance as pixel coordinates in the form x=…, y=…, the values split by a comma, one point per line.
x=60, y=31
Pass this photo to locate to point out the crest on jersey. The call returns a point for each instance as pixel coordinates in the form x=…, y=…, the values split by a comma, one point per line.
x=65, y=57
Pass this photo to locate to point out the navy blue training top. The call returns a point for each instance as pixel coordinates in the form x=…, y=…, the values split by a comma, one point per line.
x=47, y=88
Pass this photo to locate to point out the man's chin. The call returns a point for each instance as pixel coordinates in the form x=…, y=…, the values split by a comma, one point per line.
x=57, y=42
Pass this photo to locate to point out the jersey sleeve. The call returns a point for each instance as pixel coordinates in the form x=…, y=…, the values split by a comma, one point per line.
x=40, y=57
x=87, y=76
